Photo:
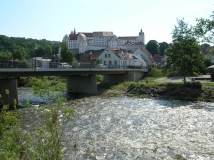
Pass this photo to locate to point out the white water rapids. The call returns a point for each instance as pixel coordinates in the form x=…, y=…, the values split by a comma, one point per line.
x=123, y=128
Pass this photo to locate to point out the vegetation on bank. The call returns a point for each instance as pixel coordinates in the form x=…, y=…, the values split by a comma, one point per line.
x=149, y=88
x=44, y=141
x=55, y=81
x=145, y=88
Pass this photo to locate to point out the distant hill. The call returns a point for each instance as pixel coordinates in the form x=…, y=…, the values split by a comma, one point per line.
x=44, y=48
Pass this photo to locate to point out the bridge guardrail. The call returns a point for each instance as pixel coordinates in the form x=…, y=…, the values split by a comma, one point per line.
x=54, y=65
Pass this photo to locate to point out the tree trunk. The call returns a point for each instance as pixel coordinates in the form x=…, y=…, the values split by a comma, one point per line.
x=184, y=78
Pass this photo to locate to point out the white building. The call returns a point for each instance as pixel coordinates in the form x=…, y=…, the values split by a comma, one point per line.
x=145, y=55
x=130, y=60
x=39, y=62
x=115, y=58
x=82, y=41
x=110, y=58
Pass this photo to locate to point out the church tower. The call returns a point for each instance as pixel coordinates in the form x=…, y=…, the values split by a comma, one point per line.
x=141, y=36
x=74, y=31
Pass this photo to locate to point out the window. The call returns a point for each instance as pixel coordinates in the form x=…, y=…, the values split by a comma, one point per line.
x=108, y=55
x=115, y=62
x=105, y=55
x=109, y=62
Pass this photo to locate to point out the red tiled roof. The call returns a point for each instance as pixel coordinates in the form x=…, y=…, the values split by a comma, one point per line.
x=73, y=36
x=157, y=55
x=95, y=55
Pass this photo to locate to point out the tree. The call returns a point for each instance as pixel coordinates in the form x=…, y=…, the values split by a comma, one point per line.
x=4, y=56
x=163, y=46
x=10, y=43
x=153, y=47
x=40, y=51
x=48, y=50
x=130, y=51
x=183, y=55
x=66, y=54
x=204, y=29
x=98, y=61
x=19, y=53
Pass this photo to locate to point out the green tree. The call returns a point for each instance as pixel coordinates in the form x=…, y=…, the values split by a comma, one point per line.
x=204, y=29
x=19, y=53
x=4, y=56
x=10, y=43
x=183, y=55
x=66, y=54
x=163, y=46
x=98, y=61
x=40, y=51
x=48, y=50
x=130, y=51
x=153, y=47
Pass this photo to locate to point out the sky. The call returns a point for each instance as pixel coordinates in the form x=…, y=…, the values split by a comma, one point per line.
x=52, y=19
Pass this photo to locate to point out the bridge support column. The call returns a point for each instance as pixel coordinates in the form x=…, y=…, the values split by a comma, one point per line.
x=82, y=84
x=130, y=76
x=11, y=85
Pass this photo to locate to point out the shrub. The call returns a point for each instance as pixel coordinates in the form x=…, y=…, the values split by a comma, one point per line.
x=155, y=73
x=11, y=135
x=100, y=78
x=143, y=96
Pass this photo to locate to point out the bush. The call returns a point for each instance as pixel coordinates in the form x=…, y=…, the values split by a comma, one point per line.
x=193, y=84
x=100, y=78
x=155, y=73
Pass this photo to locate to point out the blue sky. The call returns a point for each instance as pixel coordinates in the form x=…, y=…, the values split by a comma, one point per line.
x=52, y=19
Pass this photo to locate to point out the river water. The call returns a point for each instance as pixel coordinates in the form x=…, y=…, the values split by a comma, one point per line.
x=124, y=128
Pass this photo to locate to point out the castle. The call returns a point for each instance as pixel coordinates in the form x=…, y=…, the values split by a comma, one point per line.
x=81, y=42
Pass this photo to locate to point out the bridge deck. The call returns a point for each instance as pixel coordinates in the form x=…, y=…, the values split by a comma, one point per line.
x=28, y=72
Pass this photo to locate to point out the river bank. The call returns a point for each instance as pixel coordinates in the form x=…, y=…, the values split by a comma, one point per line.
x=159, y=89
x=150, y=87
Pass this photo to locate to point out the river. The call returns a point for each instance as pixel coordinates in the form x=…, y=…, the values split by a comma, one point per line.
x=124, y=128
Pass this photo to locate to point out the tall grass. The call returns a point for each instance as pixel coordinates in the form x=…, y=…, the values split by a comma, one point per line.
x=45, y=142
x=11, y=135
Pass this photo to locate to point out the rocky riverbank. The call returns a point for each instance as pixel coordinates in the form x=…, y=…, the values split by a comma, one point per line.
x=192, y=93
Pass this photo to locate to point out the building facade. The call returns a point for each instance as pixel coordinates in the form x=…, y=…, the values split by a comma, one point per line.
x=82, y=41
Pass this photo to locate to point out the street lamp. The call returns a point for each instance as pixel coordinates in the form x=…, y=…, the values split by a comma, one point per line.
x=91, y=58
x=54, y=62
x=35, y=56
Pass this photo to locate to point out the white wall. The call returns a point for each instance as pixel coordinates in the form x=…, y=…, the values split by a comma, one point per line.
x=113, y=58
x=144, y=55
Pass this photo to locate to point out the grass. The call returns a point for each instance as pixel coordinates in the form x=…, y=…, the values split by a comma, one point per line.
x=148, y=87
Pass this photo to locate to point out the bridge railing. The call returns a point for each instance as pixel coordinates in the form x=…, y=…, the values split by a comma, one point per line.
x=54, y=65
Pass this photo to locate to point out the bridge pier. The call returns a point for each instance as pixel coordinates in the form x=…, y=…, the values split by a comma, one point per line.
x=81, y=84
x=11, y=85
x=129, y=76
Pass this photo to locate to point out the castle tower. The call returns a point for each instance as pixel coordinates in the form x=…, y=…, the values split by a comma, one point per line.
x=141, y=36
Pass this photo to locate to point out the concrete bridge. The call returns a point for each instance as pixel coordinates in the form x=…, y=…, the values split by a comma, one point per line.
x=78, y=80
